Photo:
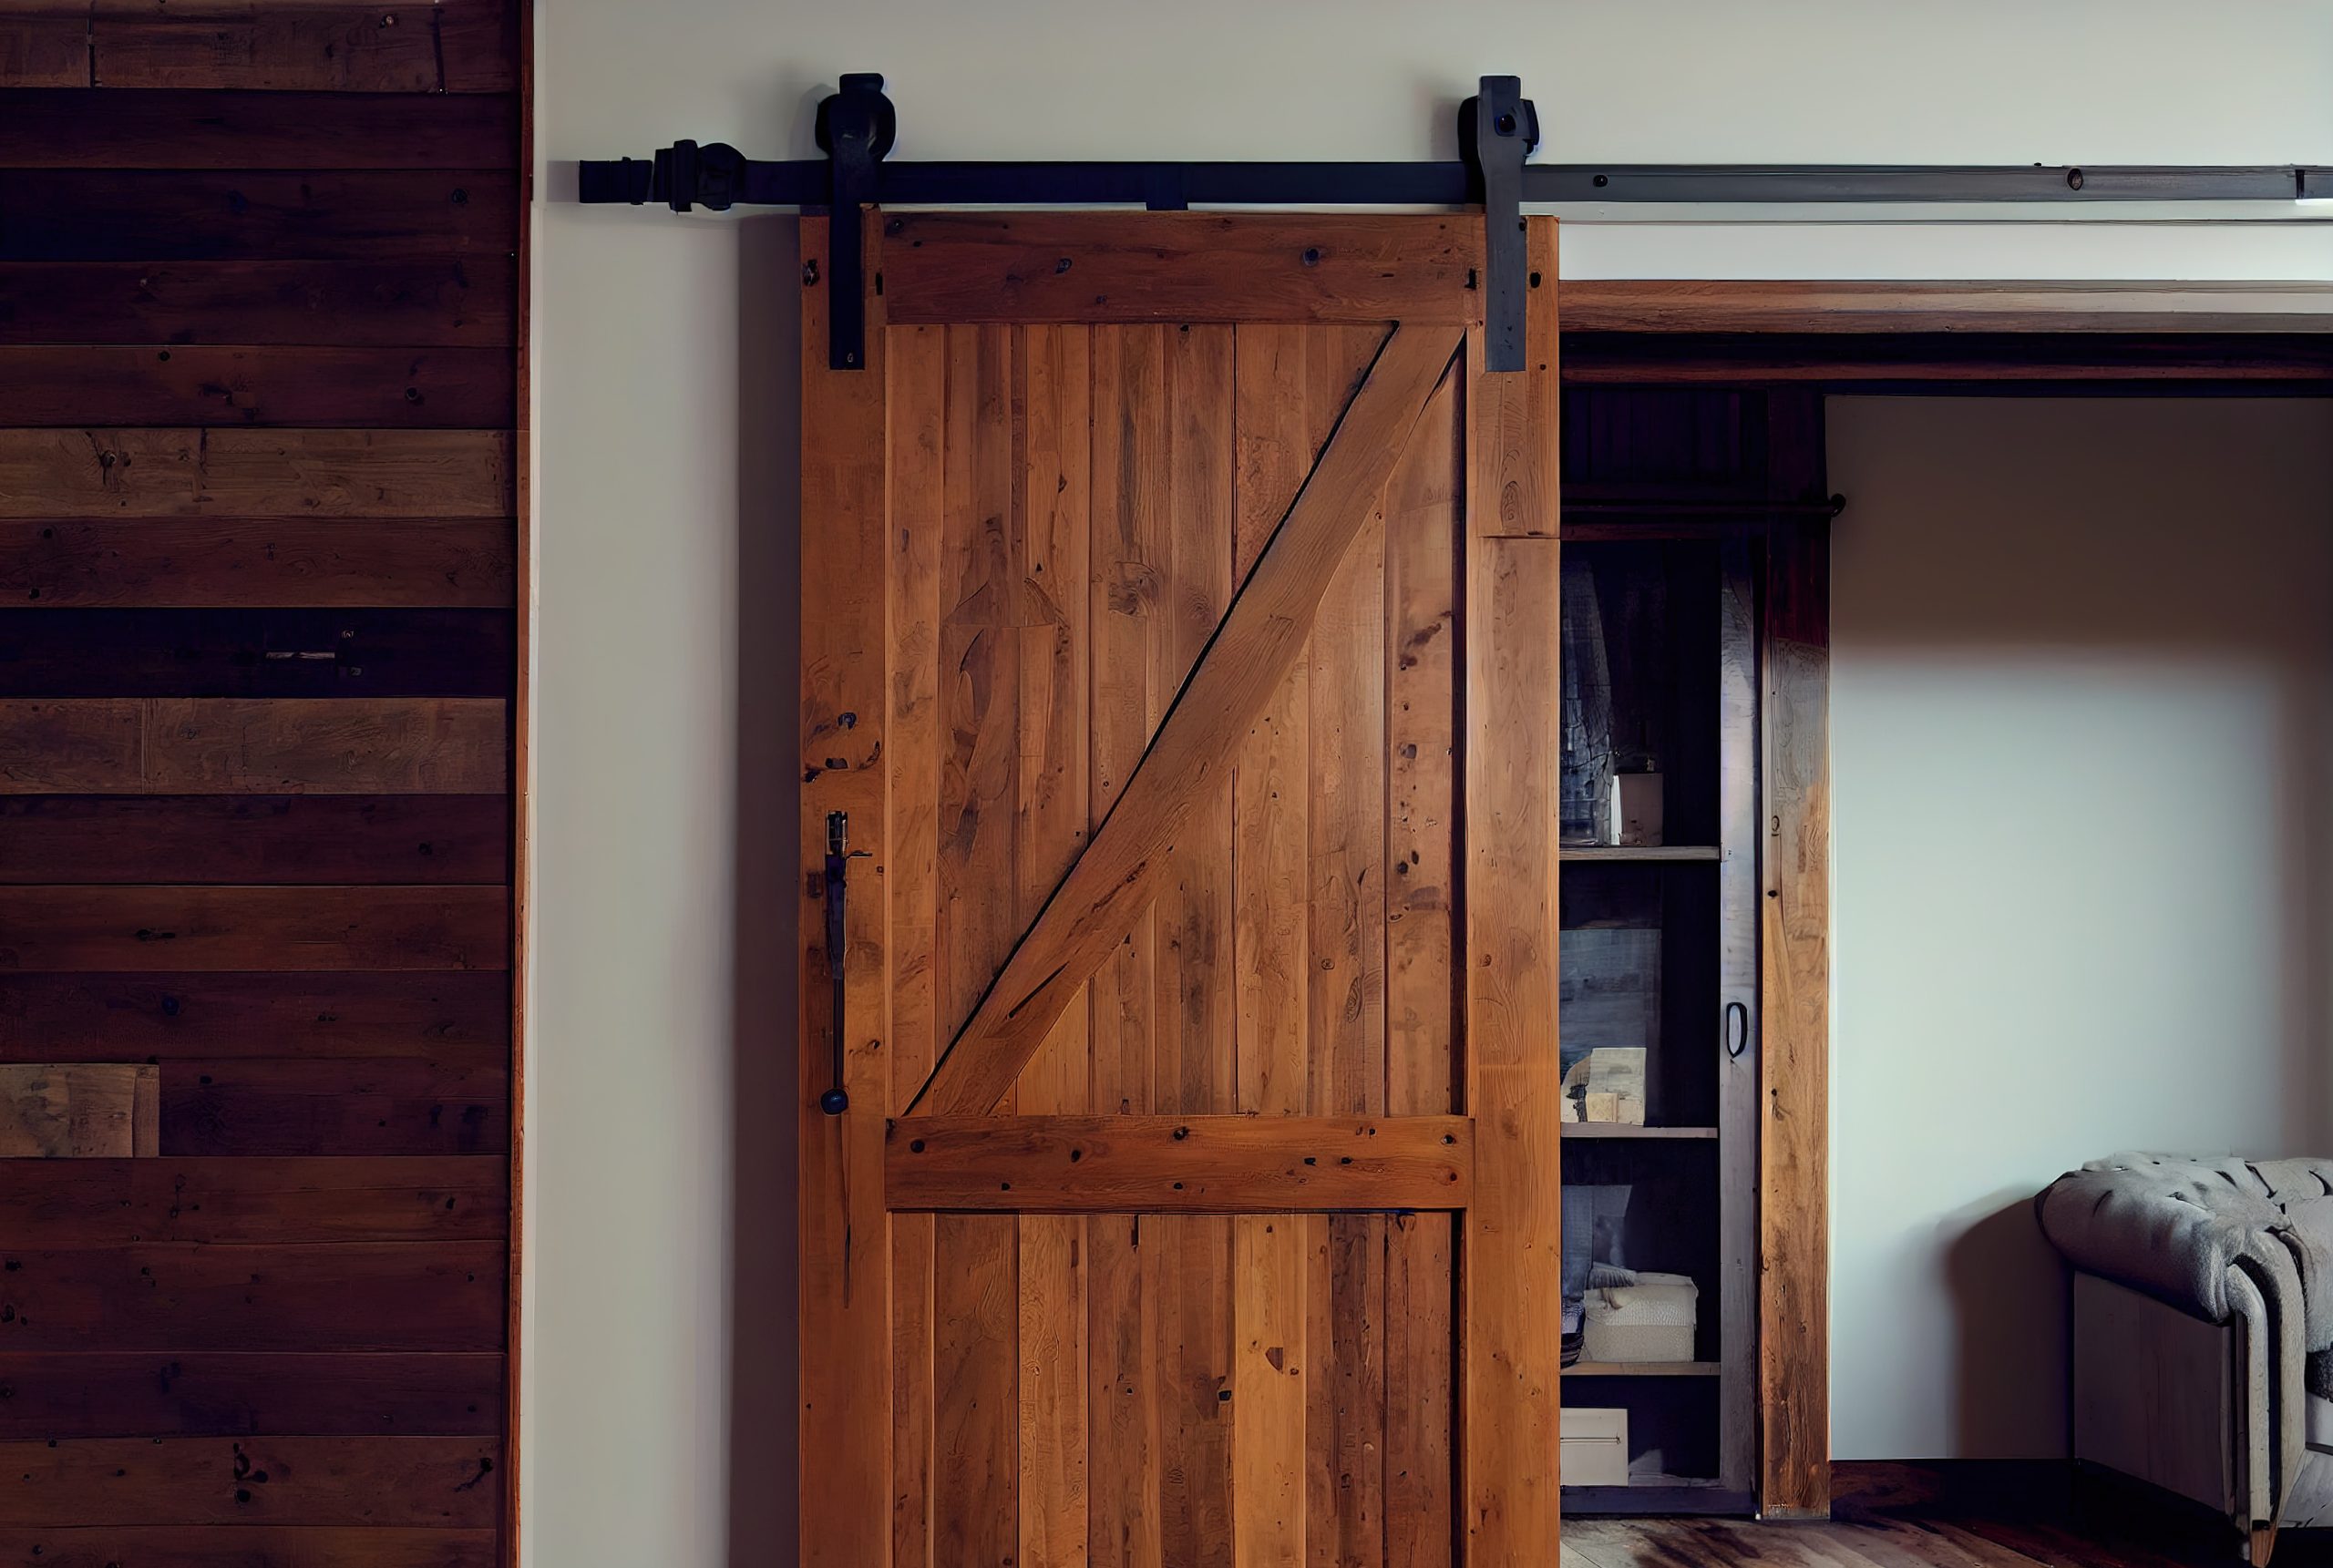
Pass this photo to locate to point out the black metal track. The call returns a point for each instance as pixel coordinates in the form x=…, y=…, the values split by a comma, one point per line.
x=805, y=184
x=1498, y=130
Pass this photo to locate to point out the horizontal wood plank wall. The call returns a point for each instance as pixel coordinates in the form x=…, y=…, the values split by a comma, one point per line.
x=258, y=316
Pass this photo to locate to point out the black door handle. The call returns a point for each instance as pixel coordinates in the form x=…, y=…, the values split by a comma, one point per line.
x=837, y=1100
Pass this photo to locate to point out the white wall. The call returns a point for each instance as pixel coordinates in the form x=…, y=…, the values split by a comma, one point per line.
x=2082, y=733
x=658, y=1406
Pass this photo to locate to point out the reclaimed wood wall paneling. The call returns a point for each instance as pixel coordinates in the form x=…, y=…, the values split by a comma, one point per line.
x=260, y=558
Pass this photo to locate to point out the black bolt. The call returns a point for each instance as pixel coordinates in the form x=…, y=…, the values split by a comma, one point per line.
x=2073, y=180
x=1060, y=266
x=461, y=197
x=1311, y=257
x=1602, y=181
x=413, y=395
x=809, y=273
x=1506, y=124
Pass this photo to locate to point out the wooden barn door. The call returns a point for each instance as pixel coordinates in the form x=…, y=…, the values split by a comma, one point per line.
x=1180, y=640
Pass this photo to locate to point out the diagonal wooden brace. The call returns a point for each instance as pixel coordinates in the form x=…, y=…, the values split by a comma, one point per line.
x=1259, y=641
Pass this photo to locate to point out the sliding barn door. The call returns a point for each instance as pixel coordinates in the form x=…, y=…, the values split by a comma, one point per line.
x=1179, y=639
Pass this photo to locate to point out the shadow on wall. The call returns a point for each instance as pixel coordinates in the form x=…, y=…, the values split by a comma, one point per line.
x=2009, y=1300
x=2172, y=538
x=2083, y=735
x=761, y=1307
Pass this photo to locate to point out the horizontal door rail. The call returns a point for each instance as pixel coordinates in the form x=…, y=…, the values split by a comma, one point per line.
x=717, y=176
x=1178, y=1165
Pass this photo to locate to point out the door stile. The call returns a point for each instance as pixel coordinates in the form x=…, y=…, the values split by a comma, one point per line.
x=1510, y=1255
x=844, y=1360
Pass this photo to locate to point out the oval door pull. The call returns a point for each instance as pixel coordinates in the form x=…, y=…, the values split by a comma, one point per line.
x=1737, y=1030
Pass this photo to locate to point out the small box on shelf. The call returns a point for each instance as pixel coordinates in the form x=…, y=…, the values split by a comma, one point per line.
x=1595, y=1447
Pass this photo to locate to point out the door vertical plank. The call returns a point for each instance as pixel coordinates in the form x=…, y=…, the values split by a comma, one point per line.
x=979, y=671
x=1421, y=1390
x=1196, y=1010
x=1131, y=560
x=1196, y=1002
x=1345, y=893
x=917, y=372
x=1345, y=904
x=1795, y=1044
x=846, y=1358
x=975, y=1481
x=1510, y=1256
x=1421, y=978
x=1268, y=1390
x=1129, y=1270
x=1275, y=447
x=1348, y=1363
x=1051, y=533
x=1123, y=1508
x=976, y=1265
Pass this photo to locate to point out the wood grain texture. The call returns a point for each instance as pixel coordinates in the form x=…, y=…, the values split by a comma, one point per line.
x=164, y=215
x=1180, y=267
x=450, y=1016
x=1271, y=1368
x=177, y=473
x=1261, y=634
x=1051, y=397
x=79, y=1112
x=372, y=388
x=1793, y=1248
x=1510, y=1293
x=846, y=1333
x=447, y=46
x=1162, y=1164
x=433, y=301
x=271, y=652
x=916, y=364
x=386, y=1481
x=1277, y=433
x=195, y=129
x=282, y=838
x=260, y=308
x=100, y=1205
x=348, y=1296
x=222, y=1393
x=1421, y=512
x=245, y=1546
x=393, y=1106
x=45, y=46
x=71, y=927
x=239, y=746
x=205, y=562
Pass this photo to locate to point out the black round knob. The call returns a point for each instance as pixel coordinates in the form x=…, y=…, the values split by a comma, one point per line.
x=834, y=1103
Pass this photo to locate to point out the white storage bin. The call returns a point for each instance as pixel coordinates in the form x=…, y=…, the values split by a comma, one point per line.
x=1595, y=1448
x=1651, y=1320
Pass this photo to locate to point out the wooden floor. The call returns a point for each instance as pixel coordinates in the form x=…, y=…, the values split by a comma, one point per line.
x=1957, y=1516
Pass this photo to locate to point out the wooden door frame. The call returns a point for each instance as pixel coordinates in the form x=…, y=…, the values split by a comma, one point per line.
x=1506, y=1419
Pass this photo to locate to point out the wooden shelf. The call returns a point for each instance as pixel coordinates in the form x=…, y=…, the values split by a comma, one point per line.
x=1656, y=1494
x=1625, y=1130
x=1644, y=1369
x=1641, y=854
